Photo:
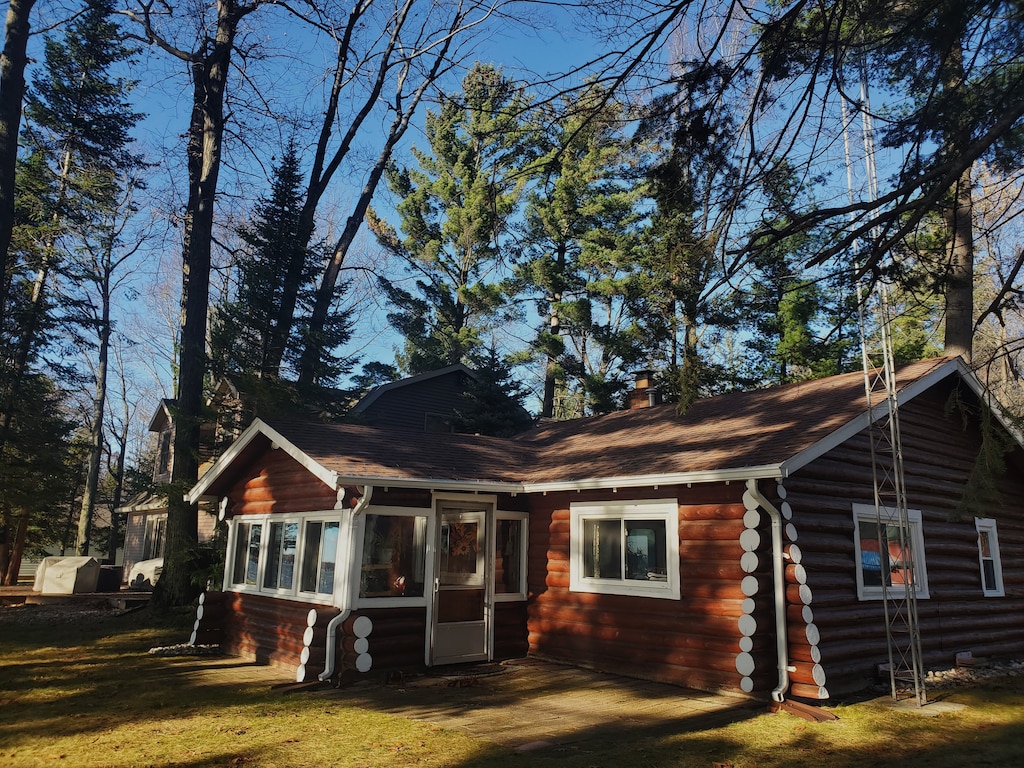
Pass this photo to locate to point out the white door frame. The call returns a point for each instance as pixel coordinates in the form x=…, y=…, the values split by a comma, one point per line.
x=467, y=641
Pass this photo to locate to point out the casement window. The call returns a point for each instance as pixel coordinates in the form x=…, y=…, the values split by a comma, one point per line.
x=988, y=557
x=627, y=548
x=287, y=556
x=246, y=553
x=510, y=543
x=320, y=543
x=884, y=556
x=394, y=556
x=153, y=543
x=282, y=549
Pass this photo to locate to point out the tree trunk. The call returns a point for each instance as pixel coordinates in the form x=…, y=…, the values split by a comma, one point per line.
x=958, y=216
x=92, y=477
x=205, y=137
x=12, y=91
x=15, y=553
x=117, y=472
x=547, y=410
x=959, y=293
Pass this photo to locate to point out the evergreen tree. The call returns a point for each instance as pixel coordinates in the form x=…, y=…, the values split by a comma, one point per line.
x=954, y=70
x=679, y=268
x=247, y=339
x=39, y=477
x=245, y=327
x=454, y=210
x=77, y=152
x=578, y=242
x=12, y=92
x=801, y=322
x=493, y=401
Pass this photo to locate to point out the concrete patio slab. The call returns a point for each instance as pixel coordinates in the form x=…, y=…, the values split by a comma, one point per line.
x=534, y=704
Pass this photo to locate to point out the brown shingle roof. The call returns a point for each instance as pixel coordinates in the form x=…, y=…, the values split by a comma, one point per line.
x=359, y=451
x=742, y=429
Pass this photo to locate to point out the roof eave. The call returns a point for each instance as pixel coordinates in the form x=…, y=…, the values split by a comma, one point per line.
x=433, y=483
x=733, y=474
x=864, y=419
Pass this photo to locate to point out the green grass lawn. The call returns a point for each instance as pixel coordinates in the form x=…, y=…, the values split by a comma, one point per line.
x=87, y=693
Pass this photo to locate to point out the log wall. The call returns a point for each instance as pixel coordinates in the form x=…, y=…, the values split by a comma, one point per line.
x=278, y=483
x=267, y=630
x=939, y=454
x=708, y=639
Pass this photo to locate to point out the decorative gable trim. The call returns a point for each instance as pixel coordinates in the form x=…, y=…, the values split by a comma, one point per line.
x=277, y=441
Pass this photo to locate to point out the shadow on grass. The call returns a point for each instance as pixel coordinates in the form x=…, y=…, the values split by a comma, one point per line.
x=66, y=680
x=92, y=678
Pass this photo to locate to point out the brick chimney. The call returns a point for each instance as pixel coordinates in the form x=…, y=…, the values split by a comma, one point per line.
x=644, y=395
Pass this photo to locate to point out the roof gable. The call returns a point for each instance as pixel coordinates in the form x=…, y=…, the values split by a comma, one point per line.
x=413, y=381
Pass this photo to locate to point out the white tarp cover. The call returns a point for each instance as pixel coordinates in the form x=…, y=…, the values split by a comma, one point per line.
x=145, y=573
x=66, y=575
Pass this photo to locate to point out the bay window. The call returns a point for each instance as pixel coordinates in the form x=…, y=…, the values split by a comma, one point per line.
x=293, y=555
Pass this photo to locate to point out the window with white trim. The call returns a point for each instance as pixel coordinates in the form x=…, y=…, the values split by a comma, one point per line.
x=393, y=563
x=282, y=548
x=285, y=555
x=988, y=557
x=246, y=554
x=321, y=538
x=885, y=554
x=510, y=543
x=629, y=548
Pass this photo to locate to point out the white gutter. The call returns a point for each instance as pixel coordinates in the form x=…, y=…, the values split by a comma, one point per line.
x=736, y=474
x=345, y=603
x=779, y=579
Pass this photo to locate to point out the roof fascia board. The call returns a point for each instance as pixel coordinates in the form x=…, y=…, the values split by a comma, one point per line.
x=149, y=506
x=476, y=486
x=259, y=427
x=989, y=400
x=861, y=422
x=163, y=409
x=765, y=472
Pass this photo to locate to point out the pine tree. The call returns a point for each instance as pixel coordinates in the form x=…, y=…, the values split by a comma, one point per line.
x=78, y=152
x=493, y=401
x=681, y=271
x=245, y=327
x=454, y=210
x=578, y=240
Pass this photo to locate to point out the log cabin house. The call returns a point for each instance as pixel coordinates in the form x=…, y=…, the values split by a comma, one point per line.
x=734, y=548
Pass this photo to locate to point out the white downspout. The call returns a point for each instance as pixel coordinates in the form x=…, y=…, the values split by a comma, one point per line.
x=779, y=578
x=345, y=601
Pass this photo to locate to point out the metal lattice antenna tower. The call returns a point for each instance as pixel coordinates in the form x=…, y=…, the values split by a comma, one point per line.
x=895, y=543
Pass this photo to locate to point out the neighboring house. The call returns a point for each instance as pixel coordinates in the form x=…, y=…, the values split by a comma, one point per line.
x=639, y=542
x=146, y=514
